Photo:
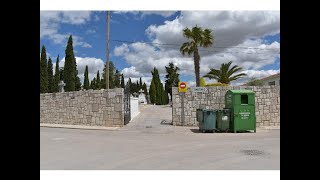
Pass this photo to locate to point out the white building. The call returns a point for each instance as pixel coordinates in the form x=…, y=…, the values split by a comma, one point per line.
x=271, y=80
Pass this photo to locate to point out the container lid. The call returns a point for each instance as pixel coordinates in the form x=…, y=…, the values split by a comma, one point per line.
x=209, y=110
x=244, y=91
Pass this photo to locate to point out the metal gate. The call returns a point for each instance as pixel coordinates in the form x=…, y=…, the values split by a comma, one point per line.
x=126, y=99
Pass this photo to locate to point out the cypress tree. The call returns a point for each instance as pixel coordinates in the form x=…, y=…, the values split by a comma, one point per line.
x=69, y=74
x=117, y=79
x=130, y=85
x=166, y=97
x=137, y=87
x=56, y=76
x=140, y=84
x=157, y=84
x=93, y=84
x=161, y=95
x=98, y=85
x=86, y=79
x=152, y=92
x=144, y=87
x=50, y=76
x=122, y=81
x=111, y=76
x=77, y=79
x=43, y=71
x=172, y=78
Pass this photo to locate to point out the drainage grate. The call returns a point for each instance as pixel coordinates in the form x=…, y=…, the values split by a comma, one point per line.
x=252, y=152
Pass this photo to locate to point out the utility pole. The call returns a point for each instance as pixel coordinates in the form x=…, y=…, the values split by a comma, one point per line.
x=108, y=43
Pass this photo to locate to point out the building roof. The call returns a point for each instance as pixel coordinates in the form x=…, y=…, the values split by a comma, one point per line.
x=269, y=77
x=265, y=78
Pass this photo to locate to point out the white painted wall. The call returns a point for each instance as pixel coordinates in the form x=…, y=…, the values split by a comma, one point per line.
x=274, y=79
x=134, y=107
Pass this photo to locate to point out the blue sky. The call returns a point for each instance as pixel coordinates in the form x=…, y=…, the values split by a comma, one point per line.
x=250, y=39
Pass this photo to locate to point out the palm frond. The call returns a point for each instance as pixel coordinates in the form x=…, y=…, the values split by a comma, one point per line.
x=207, y=38
x=187, y=33
x=185, y=48
x=237, y=76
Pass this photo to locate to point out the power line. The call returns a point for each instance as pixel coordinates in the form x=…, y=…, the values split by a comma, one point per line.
x=203, y=50
x=168, y=44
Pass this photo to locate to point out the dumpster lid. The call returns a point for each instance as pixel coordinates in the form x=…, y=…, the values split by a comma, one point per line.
x=209, y=109
x=241, y=91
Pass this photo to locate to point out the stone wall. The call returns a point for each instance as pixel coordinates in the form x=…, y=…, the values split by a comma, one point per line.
x=89, y=108
x=267, y=99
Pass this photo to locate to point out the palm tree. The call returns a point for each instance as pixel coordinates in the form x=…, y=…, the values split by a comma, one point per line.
x=224, y=74
x=197, y=37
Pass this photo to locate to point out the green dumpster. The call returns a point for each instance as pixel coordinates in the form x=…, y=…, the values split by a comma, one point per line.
x=223, y=119
x=242, y=105
x=206, y=119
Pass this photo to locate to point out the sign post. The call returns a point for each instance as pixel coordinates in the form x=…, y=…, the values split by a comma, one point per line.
x=182, y=87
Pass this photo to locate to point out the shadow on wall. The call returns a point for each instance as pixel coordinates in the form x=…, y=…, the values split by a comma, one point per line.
x=166, y=122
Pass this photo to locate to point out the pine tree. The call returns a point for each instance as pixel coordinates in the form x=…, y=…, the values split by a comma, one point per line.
x=56, y=76
x=98, y=85
x=117, y=79
x=152, y=92
x=69, y=74
x=172, y=78
x=43, y=71
x=122, y=81
x=50, y=76
x=86, y=79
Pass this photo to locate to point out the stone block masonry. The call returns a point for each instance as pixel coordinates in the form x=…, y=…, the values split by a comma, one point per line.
x=267, y=99
x=88, y=108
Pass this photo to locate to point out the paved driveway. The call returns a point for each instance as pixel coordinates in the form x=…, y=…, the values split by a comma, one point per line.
x=148, y=142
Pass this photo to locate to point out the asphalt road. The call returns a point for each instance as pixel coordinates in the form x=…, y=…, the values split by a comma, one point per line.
x=149, y=143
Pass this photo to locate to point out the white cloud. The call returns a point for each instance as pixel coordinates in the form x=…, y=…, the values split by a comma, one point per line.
x=75, y=17
x=94, y=65
x=96, y=18
x=78, y=41
x=161, y=13
x=257, y=74
x=131, y=72
x=191, y=84
x=121, y=50
x=141, y=14
x=50, y=23
x=90, y=31
x=231, y=28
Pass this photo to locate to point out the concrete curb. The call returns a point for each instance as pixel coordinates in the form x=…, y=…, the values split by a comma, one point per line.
x=269, y=127
x=79, y=127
